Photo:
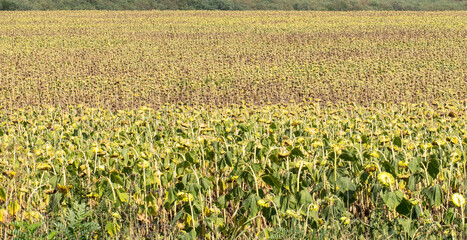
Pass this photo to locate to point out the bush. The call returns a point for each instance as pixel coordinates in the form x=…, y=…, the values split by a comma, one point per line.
x=8, y=5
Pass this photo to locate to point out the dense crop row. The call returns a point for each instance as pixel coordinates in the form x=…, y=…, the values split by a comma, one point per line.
x=125, y=60
x=303, y=170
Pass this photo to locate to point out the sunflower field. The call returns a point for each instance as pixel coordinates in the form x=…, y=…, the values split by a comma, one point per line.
x=233, y=125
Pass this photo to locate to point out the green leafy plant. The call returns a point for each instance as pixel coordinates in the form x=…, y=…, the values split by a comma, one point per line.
x=77, y=224
x=28, y=231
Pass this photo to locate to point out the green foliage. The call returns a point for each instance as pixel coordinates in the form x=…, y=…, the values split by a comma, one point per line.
x=326, y=5
x=28, y=231
x=77, y=223
x=152, y=171
x=8, y=5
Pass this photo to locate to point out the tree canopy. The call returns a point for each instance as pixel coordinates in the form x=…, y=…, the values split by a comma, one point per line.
x=319, y=5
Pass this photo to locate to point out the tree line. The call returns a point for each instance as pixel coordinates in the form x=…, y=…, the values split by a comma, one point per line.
x=319, y=5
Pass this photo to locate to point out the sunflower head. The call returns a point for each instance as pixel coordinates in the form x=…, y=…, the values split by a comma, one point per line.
x=458, y=199
x=386, y=179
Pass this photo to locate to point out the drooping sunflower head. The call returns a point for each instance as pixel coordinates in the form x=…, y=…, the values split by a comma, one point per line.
x=458, y=199
x=386, y=179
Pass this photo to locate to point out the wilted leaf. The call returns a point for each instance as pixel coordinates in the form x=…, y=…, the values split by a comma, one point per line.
x=250, y=204
x=404, y=208
x=123, y=196
x=397, y=141
x=2, y=194
x=112, y=228
x=305, y=198
x=434, y=195
x=13, y=208
x=272, y=181
x=346, y=184
x=393, y=199
x=433, y=168
x=406, y=224
x=115, y=178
